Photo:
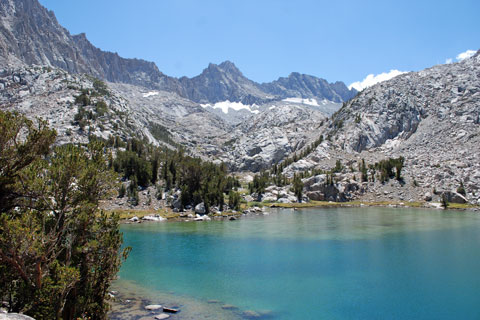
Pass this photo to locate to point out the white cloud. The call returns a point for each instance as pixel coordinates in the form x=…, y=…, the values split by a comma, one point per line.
x=465, y=55
x=372, y=79
x=461, y=56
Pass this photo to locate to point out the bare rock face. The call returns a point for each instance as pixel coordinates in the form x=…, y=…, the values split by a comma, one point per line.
x=431, y=118
x=445, y=95
x=306, y=86
x=343, y=190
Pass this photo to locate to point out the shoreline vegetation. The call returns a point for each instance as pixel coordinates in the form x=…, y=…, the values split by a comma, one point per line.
x=170, y=215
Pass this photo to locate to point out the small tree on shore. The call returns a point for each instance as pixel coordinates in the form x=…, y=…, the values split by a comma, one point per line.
x=298, y=187
x=461, y=189
x=444, y=201
x=234, y=200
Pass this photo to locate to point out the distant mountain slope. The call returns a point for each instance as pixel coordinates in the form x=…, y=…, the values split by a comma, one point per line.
x=430, y=117
x=305, y=86
x=446, y=94
x=221, y=83
x=30, y=34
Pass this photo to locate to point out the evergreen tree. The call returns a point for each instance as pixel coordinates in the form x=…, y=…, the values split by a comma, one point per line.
x=297, y=187
x=58, y=254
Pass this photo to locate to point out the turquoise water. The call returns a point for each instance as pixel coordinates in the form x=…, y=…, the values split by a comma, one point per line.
x=359, y=263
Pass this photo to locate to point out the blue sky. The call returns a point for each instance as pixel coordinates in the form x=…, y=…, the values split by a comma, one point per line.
x=266, y=39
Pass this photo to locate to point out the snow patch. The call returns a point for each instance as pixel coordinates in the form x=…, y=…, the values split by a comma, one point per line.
x=310, y=102
x=149, y=94
x=225, y=106
x=272, y=107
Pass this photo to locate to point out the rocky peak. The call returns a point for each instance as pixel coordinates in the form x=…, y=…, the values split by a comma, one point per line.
x=32, y=35
x=307, y=86
x=229, y=67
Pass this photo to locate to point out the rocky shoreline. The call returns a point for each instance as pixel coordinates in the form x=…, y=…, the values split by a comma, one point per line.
x=131, y=302
x=262, y=209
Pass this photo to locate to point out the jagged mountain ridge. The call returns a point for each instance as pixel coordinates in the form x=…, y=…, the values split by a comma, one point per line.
x=32, y=35
x=306, y=86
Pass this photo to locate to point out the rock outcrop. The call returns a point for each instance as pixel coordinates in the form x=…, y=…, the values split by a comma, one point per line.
x=431, y=118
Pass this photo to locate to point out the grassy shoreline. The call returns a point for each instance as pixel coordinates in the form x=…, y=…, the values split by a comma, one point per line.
x=167, y=213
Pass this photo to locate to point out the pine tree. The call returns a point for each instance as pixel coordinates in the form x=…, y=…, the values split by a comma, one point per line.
x=58, y=253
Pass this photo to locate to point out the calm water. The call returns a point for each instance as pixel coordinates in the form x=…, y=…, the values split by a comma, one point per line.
x=363, y=263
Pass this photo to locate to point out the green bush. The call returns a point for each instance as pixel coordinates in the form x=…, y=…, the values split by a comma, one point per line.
x=58, y=253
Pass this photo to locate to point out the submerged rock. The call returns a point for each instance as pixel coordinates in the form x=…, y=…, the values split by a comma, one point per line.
x=250, y=314
x=229, y=307
x=154, y=307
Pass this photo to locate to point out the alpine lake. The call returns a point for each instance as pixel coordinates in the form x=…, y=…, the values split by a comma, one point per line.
x=328, y=263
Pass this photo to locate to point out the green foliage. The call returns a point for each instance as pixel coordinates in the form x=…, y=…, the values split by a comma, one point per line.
x=16, y=157
x=444, y=201
x=330, y=179
x=338, y=167
x=57, y=254
x=133, y=166
x=298, y=187
x=101, y=108
x=461, y=189
x=161, y=133
x=100, y=88
x=82, y=99
x=121, y=191
x=386, y=168
x=259, y=183
x=338, y=124
x=358, y=118
x=234, y=200
x=363, y=171
x=278, y=168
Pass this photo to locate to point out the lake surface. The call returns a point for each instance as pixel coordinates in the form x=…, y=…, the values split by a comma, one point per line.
x=341, y=263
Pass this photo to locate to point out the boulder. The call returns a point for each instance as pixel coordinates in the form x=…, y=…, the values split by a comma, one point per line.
x=454, y=197
x=248, y=198
x=162, y=316
x=154, y=307
x=316, y=196
x=269, y=197
x=155, y=217
x=176, y=204
x=428, y=196
x=202, y=218
x=229, y=307
x=250, y=314
x=200, y=208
